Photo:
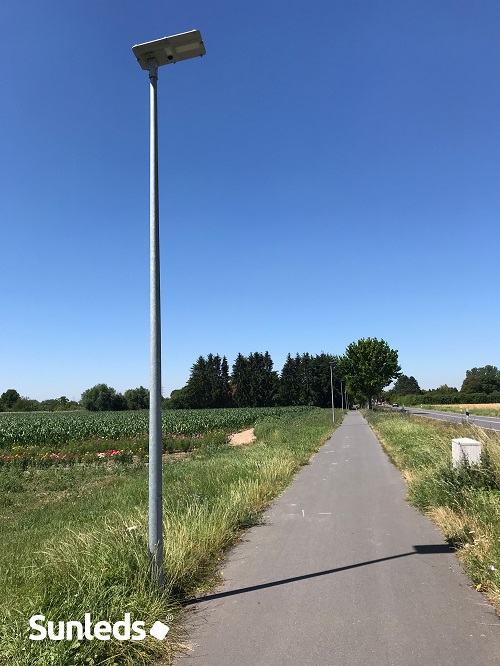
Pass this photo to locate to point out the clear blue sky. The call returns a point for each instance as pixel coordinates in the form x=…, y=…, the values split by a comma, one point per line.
x=329, y=171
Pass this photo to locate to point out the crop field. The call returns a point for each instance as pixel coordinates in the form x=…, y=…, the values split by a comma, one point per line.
x=50, y=438
x=75, y=538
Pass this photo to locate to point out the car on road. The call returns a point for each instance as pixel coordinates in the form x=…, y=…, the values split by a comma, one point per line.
x=395, y=404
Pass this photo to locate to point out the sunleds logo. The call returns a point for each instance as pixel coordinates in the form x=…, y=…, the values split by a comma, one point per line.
x=123, y=630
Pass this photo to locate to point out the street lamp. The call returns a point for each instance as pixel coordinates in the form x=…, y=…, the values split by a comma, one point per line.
x=331, y=386
x=150, y=56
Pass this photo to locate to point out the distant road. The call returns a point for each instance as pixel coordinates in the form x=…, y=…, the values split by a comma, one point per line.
x=490, y=422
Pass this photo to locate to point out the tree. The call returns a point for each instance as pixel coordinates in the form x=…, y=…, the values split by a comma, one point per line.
x=207, y=386
x=321, y=384
x=240, y=381
x=199, y=385
x=253, y=380
x=481, y=380
x=137, y=398
x=24, y=404
x=179, y=399
x=8, y=398
x=102, y=398
x=406, y=386
x=369, y=365
x=289, y=382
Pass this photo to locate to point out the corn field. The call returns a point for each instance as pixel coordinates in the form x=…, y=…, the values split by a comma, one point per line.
x=57, y=428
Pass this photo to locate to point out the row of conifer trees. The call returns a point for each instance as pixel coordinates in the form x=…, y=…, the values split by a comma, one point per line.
x=252, y=382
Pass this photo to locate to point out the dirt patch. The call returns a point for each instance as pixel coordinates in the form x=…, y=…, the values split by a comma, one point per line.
x=241, y=438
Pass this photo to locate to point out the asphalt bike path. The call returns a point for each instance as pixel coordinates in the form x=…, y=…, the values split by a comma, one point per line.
x=343, y=572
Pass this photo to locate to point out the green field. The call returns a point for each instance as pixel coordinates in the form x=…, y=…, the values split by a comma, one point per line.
x=62, y=438
x=74, y=538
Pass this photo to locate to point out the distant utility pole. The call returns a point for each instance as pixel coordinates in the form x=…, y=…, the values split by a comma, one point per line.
x=331, y=385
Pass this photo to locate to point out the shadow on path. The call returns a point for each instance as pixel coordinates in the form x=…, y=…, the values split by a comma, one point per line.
x=417, y=550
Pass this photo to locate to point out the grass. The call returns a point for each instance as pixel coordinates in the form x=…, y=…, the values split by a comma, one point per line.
x=463, y=501
x=478, y=410
x=74, y=539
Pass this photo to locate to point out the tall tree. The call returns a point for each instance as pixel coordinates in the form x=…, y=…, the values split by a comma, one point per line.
x=255, y=383
x=289, y=382
x=8, y=398
x=199, y=386
x=369, y=365
x=406, y=386
x=321, y=380
x=481, y=380
x=240, y=381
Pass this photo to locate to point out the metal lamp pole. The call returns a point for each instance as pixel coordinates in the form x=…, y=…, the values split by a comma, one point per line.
x=331, y=385
x=155, y=533
x=150, y=56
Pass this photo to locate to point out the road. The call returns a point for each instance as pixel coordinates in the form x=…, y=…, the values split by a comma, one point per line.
x=489, y=422
x=344, y=572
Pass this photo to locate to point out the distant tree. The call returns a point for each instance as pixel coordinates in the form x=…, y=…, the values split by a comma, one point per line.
x=253, y=380
x=481, y=380
x=406, y=386
x=263, y=380
x=443, y=389
x=49, y=405
x=240, y=381
x=102, y=398
x=8, y=398
x=305, y=380
x=24, y=404
x=321, y=385
x=217, y=373
x=58, y=405
x=137, y=398
x=179, y=399
x=369, y=365
x=289, y=382
x=199, y=385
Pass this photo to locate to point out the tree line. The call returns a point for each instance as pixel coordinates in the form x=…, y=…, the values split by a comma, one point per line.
x=366, y=367
x=253, y=382
x=481, y=385
x=363, y=371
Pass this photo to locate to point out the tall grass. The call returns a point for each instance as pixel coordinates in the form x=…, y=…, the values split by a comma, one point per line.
x=75, y=539
x=464, y=500
x=476, y=410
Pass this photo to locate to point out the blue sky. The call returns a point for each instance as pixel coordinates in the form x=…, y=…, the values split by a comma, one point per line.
x=329, y=171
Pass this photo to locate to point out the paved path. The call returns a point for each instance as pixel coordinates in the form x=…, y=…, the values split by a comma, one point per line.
x=344, y=573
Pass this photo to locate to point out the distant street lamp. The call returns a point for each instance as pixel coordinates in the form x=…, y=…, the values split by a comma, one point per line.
x=150, y=56
x=331, y=386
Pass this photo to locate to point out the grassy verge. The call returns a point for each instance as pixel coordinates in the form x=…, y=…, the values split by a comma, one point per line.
x=478, y=410
x=74, y=539
x=463, y=501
